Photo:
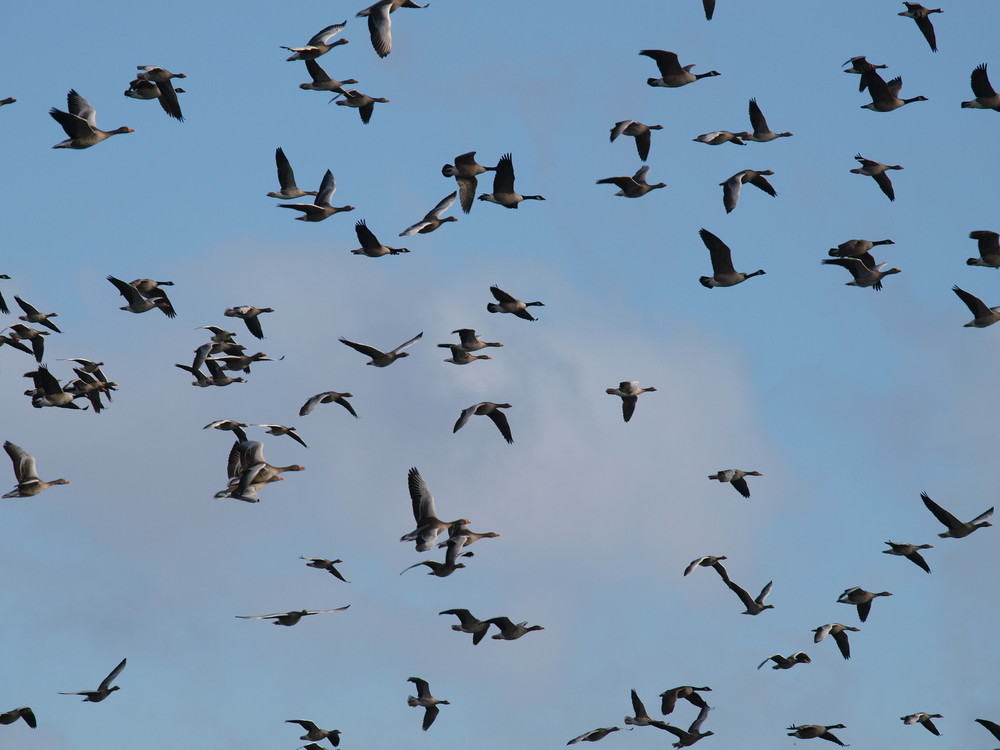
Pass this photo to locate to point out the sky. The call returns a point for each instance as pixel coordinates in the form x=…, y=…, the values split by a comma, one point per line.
x=850, y=402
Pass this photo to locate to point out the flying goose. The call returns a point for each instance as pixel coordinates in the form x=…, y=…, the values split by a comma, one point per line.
x=468, y=624
x=629, y=392
x=861, y=598
x=471, y=342
x=314, y=733
x=686, y=738
x=858, y=249
x=637, y=130
x=279, y=430
x=362, y=102
x=322, y=563
x=215, y=377
x=510, y=631
x=594, y=735
x=328, y=397
x=687, y=692
x=634, y=186
x=877, y=171
x=641, y=718
x=80, y=123
x=460, y=356
x=885, y=96
x=753, y=606
x=48, y=391
x=910, y=552
x=165, y=93
x=152, y=289
x=863, y=275
x=839, y=634
x=984, y=316
x=860, y=66
x=921, y=15
x=237, y=362
x=505, y=303
x=286, y=178
x=429, y=526
x=718, y=137
x=989, y=249
x=229, y=425
x=464, y=170
x=321, y=81
x=761, y=132
x=487, y=409
x=248, y=472
x=672, y=75
x=786, y=662
x=810, y=731
x=33, y=315
x=291, y=618
x=451, y=561
x=380, y=25
x=90, y=387
x=104, y=689
x=723, y=272
x=370, y=244
x=924, y=719
x=137, y=303
x=320, y=208
x=708, y=561
x=21, y=332
x=956, y=529
x=249, y=315
x=503, y=186
x=319, y=44
x=986, y=96
x=731, y=187
x=161, y=78
x=380, y=358
x=432, y=220
x=9, y=717
x=425, y=699
x=736, y=478
x=28, y=482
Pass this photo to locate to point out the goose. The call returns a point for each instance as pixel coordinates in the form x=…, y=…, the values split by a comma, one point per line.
x=321, y=563
x=28, y=482
x=672, y=75
x=885, y=96
x=753, y=606
x=139, y=304
x=286, y=178
x=80, y=124
x=314, y=733
x=279, y=430
x=731, y=187
x=810, y=731
x=328, y=397
x=921, y=15
x=320, y=43
x=641, y=718
x=48, y=391
x=860, y=66
x=686, y=738
x=718, y=137
x=986, y=95
x=429, y=526
x=861, y=598
x=167, y=93
x=839, y=634
x=956, y=529
x=9, y=717
x=151, y=289
x=593, y=735
x=910, y=552
x=461, y=357
x=505, y=303
x=787, y=662
x=426, y=700
x=761, y=132
x=432, y=219
x=468, y=624
x=21, y=332
x=708, y=561
x=370, y=245
x=990, y=726
x=3, y=305
x=687, y=692
x=989, y=249
x=104, y=689
x=320, y=208
x=487, y=409
x=90, y=387
x=468, y=536
x=380, y=358
x=510, y=631
x=215, y=377
x=503, y=186
x=229, y=425
x=723, y=272
x=91, y=368
x=924, y=719
x=379, y=24
x=984, y=316
x=291, y=618
x=450, y=564
x=33, y=315
x=249, y=315
x=321, y=81
x=249, y=473
x=634, y=186
x=736, y=478
x=637, y=130
x=858, y=249
x=877, y=171
x=471, y=342
x=464, y=170
x=629, y=392
x=362, y=102
x=237, y=362
x=863, y=275
x=164, y=93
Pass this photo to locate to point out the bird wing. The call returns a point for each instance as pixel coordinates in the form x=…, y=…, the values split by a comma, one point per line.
x=637, y=707
x=370, y=351
x=741, y=486
x=304, y=723
x=501, y=296
x=759, y=181
x=263, y=617
x=731, y=191
x=366, y=237
x=640, y=176
x=129, y=292
x=24, y=463
x=757, y=121
x=324, y=36
x=976, y=305
x=317, y=73
x=423, y=689
x=168, y=100
x=326, y=611
x=28, y=309
x=628, y=406
x=840, y=638
x=764, y=592
x=405, y=344
x=642, y=142
x=927, y=29
x=380, y=29
x=503, y=180
x=696, y=724
x=326, y=190
x=722, y=261
x=981, y=86
x=742, y=594
x=80, y=107
x=106, y=682
x=886, y=184
x=667, y=62
x=429, y=715
x=619, y=128
x=464, y=417
x=286, y=176
x=940, y=513
x=982, y=516
x=500, y=420
x=311, y=404
x=420, y=494
x=441, y=207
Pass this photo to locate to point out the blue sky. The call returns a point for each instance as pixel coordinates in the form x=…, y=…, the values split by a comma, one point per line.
x=850, y=402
